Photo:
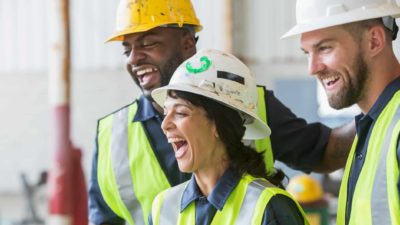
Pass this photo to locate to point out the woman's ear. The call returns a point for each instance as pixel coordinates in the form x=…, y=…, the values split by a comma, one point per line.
x=215, y=131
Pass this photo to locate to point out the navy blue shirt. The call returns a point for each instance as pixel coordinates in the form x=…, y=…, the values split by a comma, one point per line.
x=280, y=209
x=294, y=142
x=364, y=126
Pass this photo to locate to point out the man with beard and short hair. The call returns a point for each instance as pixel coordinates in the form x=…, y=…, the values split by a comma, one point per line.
x=133, y=160
x=349, y=48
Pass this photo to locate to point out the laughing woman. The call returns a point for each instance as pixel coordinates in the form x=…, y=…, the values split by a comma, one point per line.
x=210, y=105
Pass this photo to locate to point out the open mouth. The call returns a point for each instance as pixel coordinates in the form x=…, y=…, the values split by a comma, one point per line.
x=331, y=80
x=180, y=146
x=144, y=73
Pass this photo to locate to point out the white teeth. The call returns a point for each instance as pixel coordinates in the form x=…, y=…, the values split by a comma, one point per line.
x=330, y=79
x=145, y=70
x=173, y=140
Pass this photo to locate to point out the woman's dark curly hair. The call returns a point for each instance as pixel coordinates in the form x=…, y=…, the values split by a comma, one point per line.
x=231, y=129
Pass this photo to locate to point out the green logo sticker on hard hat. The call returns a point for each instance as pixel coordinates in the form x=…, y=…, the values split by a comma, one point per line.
x=205, y=64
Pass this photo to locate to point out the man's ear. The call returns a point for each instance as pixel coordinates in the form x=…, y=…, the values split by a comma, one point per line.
x=377, y=39
x=188, y=44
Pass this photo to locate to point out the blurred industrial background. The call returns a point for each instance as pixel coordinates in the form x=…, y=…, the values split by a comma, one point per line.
x=250, y=29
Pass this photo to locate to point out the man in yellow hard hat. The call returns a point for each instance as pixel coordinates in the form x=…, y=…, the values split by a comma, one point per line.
x=133, y=161
x=349, y=44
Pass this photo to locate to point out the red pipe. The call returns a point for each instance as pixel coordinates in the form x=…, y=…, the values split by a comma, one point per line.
x=67, y=189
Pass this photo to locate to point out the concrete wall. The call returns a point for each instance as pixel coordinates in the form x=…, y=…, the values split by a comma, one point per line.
x=25, y=120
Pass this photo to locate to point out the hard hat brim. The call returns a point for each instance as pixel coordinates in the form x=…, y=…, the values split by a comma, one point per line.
x=119, y=36
x=330, y=21
x=255, y=130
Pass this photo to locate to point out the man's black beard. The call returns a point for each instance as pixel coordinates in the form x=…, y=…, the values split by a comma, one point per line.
x=167, y=71
x=169, y=68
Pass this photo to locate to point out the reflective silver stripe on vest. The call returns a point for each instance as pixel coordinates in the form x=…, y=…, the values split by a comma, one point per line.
x=249, y=203
x=120, y=162
x=379, y=200
x=171, y=205
x=170, y=208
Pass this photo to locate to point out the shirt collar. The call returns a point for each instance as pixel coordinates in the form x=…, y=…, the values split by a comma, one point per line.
x=384, y=98
x=145, y=110
x=382, y=101
x=218, y=196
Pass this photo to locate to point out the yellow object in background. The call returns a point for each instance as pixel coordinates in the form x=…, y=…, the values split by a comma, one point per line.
x=305, y=189
x=308, y=192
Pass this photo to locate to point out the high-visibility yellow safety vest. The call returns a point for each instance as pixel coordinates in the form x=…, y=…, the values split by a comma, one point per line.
x=128, y=172
x=376, y=198
x=264, y=144
x=245, y=205
x=122, y=160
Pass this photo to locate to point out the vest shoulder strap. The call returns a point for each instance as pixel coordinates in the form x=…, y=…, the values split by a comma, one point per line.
x=168, y=205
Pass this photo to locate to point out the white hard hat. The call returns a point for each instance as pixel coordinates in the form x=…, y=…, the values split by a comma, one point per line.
x=222, y=77
x=317, y=14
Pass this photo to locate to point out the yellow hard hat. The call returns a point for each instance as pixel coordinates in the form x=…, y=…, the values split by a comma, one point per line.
x=142, y=15
x=305, y=189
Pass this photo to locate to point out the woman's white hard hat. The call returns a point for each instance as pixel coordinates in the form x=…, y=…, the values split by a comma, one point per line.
x=222, y=77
